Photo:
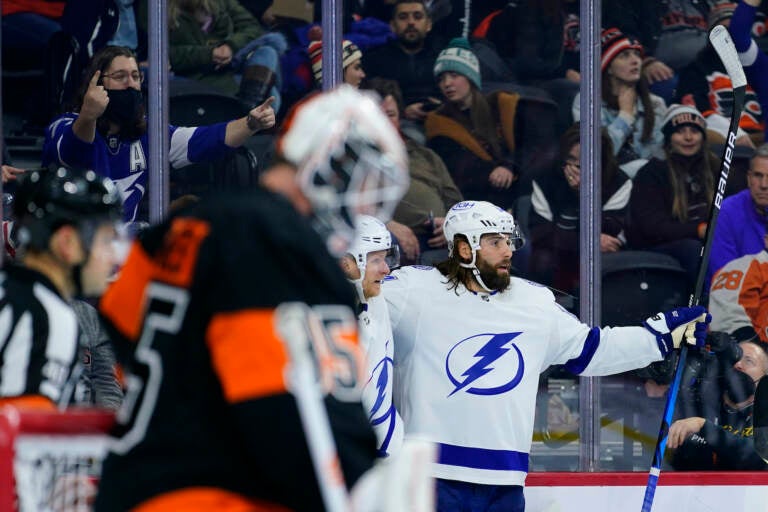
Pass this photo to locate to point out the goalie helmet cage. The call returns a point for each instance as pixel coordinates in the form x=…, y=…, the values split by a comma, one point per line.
x=51, y=461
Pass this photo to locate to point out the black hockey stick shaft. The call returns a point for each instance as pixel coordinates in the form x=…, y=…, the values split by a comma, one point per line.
x=722, y=43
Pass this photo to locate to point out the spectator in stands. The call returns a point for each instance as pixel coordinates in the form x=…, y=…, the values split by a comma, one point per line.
x=630, y=113
x=738, y=296
x=539, y=41
x=417, y=223
x=554, y=222
x=219, y=42
x=9, y=172
x=671, y=198
x=27, y=26
x=706, y=83
x=408, y=59
x=721, y=439
x=351, y=62
x=107, y=132
x=741, y=225
x=673, y=33
x=65, y=221
x=754, y=60
x=472, y=133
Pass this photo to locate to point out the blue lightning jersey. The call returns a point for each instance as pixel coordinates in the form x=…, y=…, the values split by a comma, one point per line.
x=125, y=161
x=376, y=339
x=467, y=367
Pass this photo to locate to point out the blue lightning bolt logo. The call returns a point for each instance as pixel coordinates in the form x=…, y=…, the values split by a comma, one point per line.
x=489, y=353
x=381, y=388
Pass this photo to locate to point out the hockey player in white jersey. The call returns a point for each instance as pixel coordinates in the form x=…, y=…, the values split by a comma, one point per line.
x=368, y=262
x=470, y=343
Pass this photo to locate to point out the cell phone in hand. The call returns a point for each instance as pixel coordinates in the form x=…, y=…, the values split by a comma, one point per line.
x=429, y=106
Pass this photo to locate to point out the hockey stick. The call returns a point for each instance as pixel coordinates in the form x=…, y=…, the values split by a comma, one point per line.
x=723, y=45
x=296, y=325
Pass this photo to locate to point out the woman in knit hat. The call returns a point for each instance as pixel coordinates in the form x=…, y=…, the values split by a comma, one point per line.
x=630, y=113
x=351, y=61
x=472, y=133
x=671, y=198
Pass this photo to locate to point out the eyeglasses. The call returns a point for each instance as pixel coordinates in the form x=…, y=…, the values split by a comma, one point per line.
x=122, y=76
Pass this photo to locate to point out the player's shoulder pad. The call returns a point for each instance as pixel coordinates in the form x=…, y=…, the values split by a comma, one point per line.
x=422, y=267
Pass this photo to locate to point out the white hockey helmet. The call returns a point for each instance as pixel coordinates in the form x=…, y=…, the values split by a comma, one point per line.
x=473, y=219
x=372, y=235
x=350, y=160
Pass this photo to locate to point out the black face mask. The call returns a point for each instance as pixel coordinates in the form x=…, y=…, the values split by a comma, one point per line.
x=125, y=106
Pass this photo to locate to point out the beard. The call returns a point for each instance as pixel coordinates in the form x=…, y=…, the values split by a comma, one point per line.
x=491, y=277
x=411, y=41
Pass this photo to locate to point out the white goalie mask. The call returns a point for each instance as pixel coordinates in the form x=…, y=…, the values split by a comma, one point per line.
x=473, y=219
x=350, y=160
x=371, y=235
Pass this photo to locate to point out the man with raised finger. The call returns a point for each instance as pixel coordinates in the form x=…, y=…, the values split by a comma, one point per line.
x=108, y=130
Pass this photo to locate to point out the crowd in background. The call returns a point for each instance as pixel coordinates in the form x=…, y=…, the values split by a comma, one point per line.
x=493, y=116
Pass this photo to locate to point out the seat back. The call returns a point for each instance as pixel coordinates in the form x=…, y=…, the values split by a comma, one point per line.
x=637, y=284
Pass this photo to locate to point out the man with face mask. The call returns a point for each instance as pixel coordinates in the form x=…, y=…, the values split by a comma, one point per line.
x=65, y=231
x=470, y=343
x=108, y=131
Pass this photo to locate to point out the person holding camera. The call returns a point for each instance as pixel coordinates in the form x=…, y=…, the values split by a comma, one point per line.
x=715, y=432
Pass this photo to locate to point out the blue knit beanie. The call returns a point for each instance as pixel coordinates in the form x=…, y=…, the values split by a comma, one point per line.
x=458, y=57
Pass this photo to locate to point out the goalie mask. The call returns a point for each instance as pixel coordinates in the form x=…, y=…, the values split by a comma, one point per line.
x=473, y=219
x=350, y=160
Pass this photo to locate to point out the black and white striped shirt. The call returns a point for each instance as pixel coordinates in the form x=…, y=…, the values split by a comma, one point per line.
x=38, y=337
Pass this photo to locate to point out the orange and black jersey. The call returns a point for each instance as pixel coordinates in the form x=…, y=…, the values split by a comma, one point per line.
x=207, y=404
x=38, y=340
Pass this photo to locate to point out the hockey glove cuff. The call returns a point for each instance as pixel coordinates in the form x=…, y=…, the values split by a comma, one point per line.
x=672, y=326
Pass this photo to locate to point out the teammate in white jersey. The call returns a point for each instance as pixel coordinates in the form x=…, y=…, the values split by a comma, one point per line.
x=470, y=343
x=367, y=263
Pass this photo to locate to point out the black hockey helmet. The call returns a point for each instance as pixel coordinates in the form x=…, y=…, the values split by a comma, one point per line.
x=48, y=199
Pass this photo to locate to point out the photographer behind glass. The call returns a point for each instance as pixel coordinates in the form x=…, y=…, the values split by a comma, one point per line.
x=716, y=406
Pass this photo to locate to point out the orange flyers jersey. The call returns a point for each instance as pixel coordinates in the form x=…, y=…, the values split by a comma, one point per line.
x=739, y=295
x=207, y=400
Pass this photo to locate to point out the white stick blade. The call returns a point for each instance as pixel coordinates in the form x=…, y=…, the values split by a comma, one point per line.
x=723, y=45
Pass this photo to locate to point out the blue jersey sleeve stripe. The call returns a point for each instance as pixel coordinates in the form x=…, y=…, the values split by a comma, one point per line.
x=578, y=364
x=482, y=458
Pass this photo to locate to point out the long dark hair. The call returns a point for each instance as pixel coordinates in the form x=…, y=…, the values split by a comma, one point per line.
x=643, y=92
x=451, y=268
x=678, y=174
x=479, y=120
x=100, y=62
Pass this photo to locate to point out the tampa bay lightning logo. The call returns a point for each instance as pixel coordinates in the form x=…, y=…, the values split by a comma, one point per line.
x=482, y=364
x=380, y=378
x=383, y=411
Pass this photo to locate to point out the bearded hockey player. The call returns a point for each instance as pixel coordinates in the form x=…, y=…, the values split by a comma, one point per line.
x=470, y=343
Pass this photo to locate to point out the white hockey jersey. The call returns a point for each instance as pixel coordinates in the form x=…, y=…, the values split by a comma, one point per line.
x=468, y=364
x=376, y=340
